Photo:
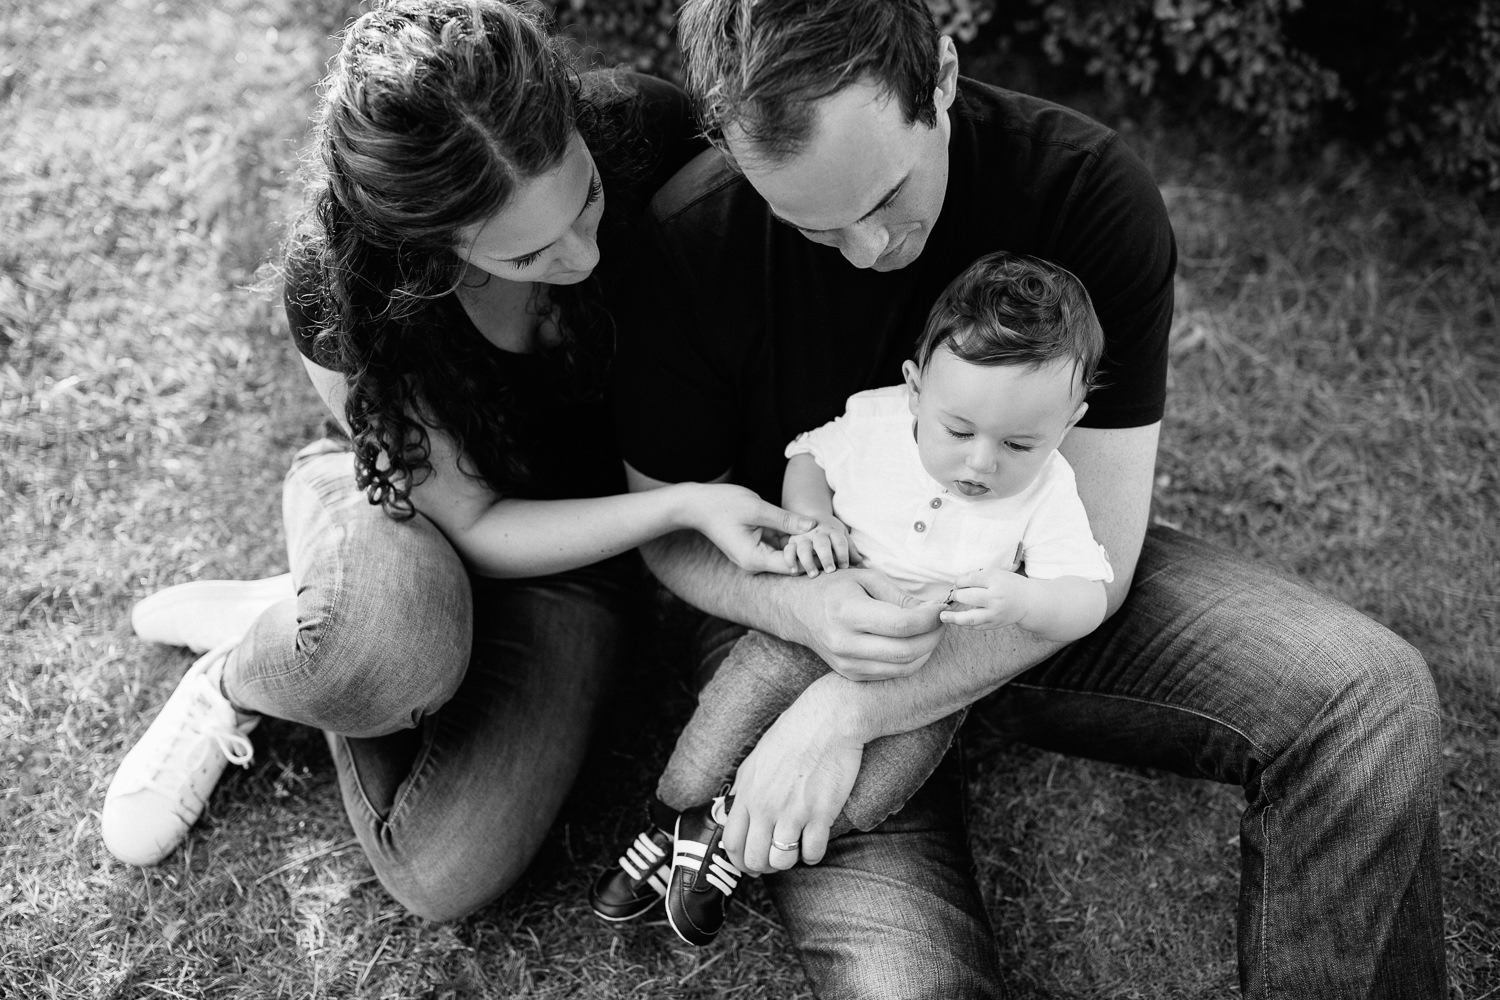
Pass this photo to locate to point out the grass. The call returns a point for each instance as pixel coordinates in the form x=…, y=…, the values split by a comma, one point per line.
x=1335, y=376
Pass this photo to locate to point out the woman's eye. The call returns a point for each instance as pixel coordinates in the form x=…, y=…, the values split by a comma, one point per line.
x=527, y=261
x=596, y=191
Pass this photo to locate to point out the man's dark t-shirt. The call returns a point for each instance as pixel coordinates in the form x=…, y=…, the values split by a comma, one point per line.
x=738, y=332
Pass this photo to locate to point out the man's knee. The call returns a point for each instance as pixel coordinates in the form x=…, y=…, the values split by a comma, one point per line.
x=1380, y=715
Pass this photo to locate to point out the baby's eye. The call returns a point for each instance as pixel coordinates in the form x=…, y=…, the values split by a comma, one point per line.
x=961, y=435
x=1019, y=448
x=526, y=261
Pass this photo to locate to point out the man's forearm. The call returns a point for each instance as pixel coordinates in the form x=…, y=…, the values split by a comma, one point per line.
x=967, y=665
x=689, y=566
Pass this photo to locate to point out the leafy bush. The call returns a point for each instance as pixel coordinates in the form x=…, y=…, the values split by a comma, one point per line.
x=1410, y=77
x=1239, y=50
x=1404, y=76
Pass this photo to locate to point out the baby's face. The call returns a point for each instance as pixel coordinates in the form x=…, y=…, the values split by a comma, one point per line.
x=984, y=431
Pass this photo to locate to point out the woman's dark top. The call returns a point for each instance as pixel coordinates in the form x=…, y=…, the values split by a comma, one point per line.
x=568, y=441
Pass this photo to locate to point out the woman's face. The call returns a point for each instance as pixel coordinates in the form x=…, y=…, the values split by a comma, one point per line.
x=547, y=231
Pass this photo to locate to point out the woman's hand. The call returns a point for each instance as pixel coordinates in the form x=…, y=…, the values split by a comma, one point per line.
x=736, y=520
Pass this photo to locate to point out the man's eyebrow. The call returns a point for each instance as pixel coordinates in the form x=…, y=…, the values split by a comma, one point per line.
x=889, y=197
x=593, y=180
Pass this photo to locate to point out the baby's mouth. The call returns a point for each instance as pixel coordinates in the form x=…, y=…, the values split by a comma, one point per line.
x=969, y=488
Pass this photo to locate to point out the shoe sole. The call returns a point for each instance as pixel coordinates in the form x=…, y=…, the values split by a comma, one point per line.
x=658, y=901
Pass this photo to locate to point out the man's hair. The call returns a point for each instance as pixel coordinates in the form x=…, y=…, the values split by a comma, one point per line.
x=1012, y=309
x=758, y=66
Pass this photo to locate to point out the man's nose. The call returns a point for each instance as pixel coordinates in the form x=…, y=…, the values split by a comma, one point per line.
x=862, y=245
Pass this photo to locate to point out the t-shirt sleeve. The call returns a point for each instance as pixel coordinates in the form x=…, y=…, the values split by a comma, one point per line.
x=828, y=444
x=1115, y=235
x=1058, y=540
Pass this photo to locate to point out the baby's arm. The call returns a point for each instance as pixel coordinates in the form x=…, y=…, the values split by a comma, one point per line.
x=826, y=547
x=1061, y=609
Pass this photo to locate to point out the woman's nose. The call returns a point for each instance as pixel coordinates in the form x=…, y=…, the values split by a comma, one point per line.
x=580, y=252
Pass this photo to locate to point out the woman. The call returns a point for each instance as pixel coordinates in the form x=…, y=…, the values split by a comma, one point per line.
x=460, y=571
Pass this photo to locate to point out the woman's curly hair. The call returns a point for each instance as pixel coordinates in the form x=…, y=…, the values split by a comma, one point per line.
x=434, y=113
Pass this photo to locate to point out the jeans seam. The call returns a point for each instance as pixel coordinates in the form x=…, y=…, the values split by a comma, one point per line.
x=383, y=824
x=1136, y=699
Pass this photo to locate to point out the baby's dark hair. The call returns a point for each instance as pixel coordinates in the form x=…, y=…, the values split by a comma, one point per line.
x=1013, y=309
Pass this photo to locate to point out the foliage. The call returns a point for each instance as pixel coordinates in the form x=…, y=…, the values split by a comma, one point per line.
x=1439, y=93
x=1403, y=76
x=1239, y=50
x=1406, y=77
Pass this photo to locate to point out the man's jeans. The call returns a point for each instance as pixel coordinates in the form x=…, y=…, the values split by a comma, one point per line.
x=1214, y=668
x=457, y=708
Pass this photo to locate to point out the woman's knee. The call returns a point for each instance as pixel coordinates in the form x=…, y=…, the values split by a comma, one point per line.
x=384, y=630
x=441, y=901
x=443, y=883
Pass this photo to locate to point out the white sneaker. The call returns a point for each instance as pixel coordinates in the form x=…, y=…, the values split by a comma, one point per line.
x=163, y=783
x=207, y=613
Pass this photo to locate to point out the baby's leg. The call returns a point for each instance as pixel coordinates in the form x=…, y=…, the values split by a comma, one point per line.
x=758, y=680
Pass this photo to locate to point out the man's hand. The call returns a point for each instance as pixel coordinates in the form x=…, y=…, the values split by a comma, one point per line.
x=823, y=549
x=993, y=597
x=863, y=626
x=791, y=787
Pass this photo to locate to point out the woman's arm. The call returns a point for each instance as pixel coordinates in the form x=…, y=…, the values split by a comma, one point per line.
x=520, y=538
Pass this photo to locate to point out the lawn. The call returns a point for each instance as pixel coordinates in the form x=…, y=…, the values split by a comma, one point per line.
x=1334, y=412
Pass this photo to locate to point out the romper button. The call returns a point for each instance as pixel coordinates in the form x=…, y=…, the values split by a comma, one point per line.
x=919, y=526
x=937, y=502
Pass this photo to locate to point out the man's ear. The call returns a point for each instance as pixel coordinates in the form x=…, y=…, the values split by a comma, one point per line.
x=910, y=372
x=947, y=77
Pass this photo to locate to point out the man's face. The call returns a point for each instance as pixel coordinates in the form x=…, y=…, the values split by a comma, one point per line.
x=867, y=182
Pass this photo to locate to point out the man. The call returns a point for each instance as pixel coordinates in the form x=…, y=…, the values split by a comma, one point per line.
x=856, y=174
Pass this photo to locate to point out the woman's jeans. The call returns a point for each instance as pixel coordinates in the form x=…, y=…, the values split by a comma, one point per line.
x=458, y=708
x=1214, y=668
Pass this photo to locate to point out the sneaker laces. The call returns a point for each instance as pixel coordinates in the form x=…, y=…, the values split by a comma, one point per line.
x=643, y=858
x=204, y=725
x=721, y=873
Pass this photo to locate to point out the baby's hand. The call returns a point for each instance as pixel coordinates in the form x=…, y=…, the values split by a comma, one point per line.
x=823, y=549
x=994, y=597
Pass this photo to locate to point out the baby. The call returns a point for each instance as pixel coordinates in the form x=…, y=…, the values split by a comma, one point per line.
x=951, y=485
